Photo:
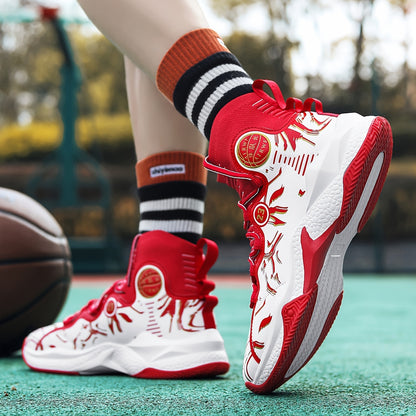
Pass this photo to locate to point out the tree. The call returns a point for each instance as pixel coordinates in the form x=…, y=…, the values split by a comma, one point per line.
x=30, y=76
x=277, y=44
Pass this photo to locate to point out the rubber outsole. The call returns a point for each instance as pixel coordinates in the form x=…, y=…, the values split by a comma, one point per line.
x=202, y=371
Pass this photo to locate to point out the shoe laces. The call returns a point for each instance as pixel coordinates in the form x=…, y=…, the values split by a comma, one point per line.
x=94, y=306
x=120, y=287
x=249, y=189
x=277, y=101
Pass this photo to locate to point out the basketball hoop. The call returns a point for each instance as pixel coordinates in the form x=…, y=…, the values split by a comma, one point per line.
x=21, y=11
x=48, y=13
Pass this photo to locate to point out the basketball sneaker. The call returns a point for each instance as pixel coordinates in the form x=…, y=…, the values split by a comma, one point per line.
x=308, y=182
x=157, y=322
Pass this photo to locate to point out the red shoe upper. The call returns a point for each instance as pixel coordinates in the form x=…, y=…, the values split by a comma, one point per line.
x=256, y=111
x=183, y=266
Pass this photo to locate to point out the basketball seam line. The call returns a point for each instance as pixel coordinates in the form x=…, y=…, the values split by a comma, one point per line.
x=31, y=260
x=34, y=301
x=30, y=222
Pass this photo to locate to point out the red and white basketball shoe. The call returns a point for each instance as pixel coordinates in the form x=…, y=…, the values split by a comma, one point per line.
x=157, y=322
x=308, y=182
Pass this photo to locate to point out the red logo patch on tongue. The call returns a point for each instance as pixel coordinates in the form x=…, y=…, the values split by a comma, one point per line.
x=253, y=150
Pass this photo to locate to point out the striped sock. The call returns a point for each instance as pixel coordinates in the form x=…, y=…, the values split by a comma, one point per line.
x=172, y=188
x=200, y=76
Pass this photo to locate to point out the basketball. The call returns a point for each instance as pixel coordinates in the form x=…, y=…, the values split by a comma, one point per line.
x=35, y=268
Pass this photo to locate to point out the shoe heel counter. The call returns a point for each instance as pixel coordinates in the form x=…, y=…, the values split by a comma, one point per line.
x=184, y=265
x=208, y=312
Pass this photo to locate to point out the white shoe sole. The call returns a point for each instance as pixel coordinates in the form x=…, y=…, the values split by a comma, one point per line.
x=196, y=354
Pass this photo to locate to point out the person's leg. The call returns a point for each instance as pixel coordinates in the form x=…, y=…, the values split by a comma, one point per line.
x=157, y=127
x=198, y=74
x=171, y=179
x=144, y=30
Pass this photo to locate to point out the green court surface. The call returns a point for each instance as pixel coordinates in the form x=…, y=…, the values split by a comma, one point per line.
x=366, y=366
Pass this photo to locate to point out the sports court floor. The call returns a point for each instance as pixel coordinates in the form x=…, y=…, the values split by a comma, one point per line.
x=366, y=366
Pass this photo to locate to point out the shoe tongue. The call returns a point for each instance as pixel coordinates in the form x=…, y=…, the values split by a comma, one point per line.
x=131, y=261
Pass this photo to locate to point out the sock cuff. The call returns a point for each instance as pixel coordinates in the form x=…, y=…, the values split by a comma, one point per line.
x=169, y=167
x=187, y=51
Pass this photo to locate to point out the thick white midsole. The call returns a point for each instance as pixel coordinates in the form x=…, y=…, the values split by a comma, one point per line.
x=146, y=351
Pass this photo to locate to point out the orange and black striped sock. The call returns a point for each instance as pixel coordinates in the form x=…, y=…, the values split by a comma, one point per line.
x=200, y=76
x=171, y=188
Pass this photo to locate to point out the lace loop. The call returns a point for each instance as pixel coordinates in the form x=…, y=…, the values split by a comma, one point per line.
x=294, y=104
x=210, y=258
x=277, y=94
x=309, y=102
x=94, y=305
x=291, y=103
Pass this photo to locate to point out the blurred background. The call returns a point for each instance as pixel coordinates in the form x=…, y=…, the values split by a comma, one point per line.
x=66, y=140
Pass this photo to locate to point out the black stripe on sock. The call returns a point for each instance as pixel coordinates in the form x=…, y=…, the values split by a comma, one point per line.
x=191, y=237
x=188, y=236
x=193, y=74
x=173, y=189
x=229, y=96
x=210, y=88
x=172, y=214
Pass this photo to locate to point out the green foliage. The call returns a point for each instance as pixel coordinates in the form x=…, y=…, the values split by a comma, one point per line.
x=108, y=130
x=397, y=203
x=34, y=141
x=30, y=73
x=28, y=141
x=102, y=66
x=252, y=55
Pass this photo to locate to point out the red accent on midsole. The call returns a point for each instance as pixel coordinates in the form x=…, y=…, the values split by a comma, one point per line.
x=65, y=373
x=206, y=370
x=296, y=317
x=278, y=376
x=314, y=254
x=327, y=326
x=378, y=140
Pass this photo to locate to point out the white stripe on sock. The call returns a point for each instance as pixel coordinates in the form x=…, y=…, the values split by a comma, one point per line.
x=216, y=96
x=171, y=226
x=203, y=83
x=172, y=204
